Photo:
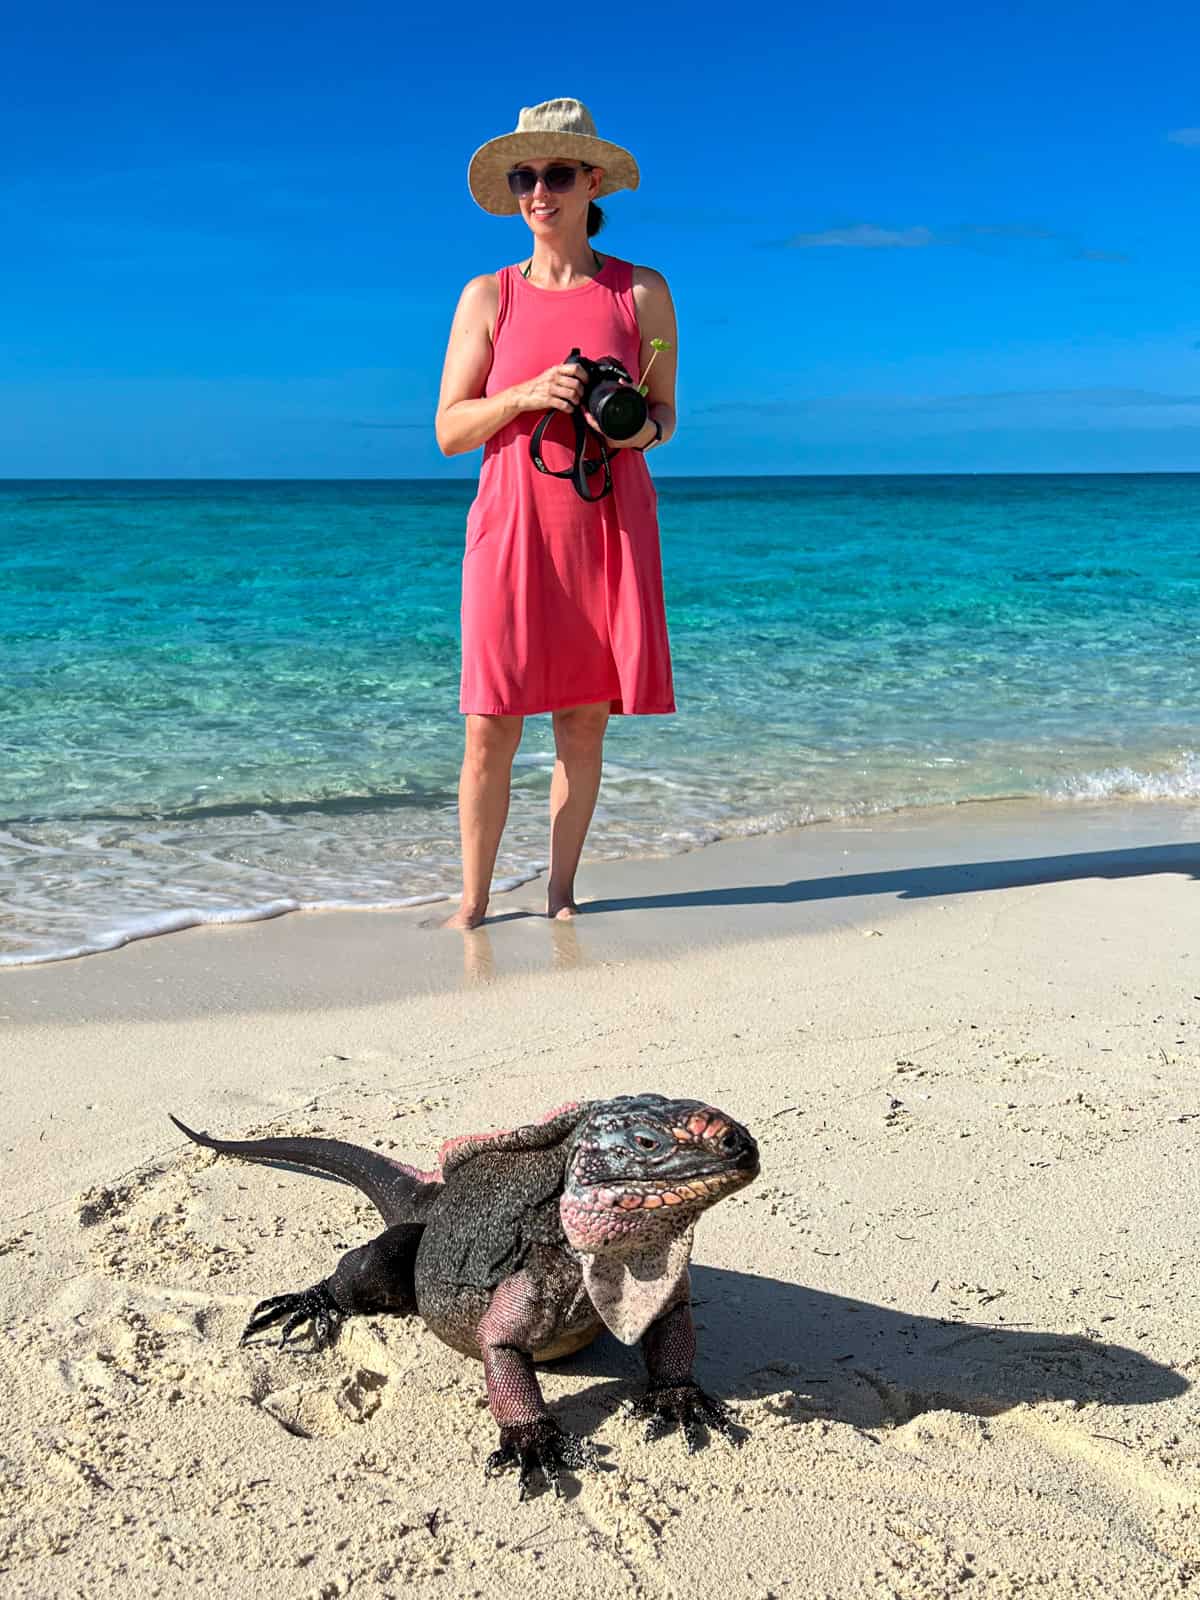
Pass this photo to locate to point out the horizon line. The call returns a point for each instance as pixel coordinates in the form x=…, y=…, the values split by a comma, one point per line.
x=677, y=477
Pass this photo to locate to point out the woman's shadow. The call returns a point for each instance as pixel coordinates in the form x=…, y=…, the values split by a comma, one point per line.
x=926, y=882
x=873, y=1366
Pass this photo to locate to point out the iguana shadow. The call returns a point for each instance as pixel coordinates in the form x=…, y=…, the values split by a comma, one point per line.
x=869, y=1365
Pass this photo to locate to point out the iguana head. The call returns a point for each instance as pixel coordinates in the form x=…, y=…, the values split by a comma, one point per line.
x=643, y=1167
x=640, y=1170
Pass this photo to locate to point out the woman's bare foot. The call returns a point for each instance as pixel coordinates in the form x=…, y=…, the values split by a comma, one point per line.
x=465, y=918
x=561, y=908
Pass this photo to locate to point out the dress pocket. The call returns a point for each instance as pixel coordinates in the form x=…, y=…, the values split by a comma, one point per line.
x=477, y=528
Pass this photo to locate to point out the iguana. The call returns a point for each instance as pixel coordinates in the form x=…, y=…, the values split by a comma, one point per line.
x=520, y=1246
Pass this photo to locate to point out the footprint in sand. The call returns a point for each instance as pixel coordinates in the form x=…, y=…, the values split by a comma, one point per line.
x=317, y=1411
x=107, y=1203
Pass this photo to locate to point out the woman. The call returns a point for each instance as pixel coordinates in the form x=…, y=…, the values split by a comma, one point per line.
x=562, y=599
x=562, y=606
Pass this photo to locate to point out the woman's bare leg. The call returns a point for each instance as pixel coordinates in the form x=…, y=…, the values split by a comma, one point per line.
x=579, y=747
x=491, y=744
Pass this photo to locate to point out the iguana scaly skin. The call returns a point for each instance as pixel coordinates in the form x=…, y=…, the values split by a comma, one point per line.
x=520, y=1246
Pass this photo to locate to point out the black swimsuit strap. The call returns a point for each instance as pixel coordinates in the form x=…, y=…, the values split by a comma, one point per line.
x=527, y=269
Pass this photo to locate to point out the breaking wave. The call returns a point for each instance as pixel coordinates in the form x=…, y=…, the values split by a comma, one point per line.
x=1178, y=781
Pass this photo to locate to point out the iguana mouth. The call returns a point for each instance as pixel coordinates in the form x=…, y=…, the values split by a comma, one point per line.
x=649, y=1194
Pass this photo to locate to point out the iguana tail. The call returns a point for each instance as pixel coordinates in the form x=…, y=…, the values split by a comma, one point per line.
x=399, y=1193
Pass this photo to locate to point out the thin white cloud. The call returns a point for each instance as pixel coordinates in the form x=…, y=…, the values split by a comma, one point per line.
x=863, y=236
x=987, y=237
x=397, y=427
x=1111, y=398
x=968, y=231
x=1097, y=395
x=1189, y=136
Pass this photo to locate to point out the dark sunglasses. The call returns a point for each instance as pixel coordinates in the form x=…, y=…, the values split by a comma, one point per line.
x=523, y=180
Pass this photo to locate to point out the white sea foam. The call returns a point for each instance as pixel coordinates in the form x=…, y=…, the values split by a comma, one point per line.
x=69, y=890
x=1180, y=780
x=147, y=928
x=176, y=921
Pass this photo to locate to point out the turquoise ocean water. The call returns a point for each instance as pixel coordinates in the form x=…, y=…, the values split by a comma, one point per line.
x=226, y=700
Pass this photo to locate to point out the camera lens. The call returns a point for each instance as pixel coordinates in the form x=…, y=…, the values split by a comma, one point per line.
x=619, y=409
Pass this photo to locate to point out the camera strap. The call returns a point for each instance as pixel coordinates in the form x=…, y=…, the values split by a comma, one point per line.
x=581, y=467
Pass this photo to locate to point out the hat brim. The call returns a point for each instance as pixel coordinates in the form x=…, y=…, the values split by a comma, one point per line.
x=488, y=172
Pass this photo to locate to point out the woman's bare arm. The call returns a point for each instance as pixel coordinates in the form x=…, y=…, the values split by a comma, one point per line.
x=466, y=417
x=656, y=320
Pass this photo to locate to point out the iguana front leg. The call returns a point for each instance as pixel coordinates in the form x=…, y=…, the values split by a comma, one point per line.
x=513, y=1326
x=673, y=1397
x=375, y=1278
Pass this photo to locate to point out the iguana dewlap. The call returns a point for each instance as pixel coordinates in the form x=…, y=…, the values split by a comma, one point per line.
x=520, y=1246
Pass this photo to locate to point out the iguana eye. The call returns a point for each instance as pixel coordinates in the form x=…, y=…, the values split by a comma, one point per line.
x=645, y=1141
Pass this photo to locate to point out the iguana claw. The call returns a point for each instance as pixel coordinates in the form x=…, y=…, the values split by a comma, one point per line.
x=315, y=1305
x=687, y=1406
x=539, y=1446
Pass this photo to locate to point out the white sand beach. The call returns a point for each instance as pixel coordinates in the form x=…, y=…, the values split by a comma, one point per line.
x=956, y=1315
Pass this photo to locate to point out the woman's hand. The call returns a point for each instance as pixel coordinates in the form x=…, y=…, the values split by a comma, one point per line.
x=559, y=388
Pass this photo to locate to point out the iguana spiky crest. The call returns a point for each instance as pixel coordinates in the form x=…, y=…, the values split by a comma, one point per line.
x=552, y=1129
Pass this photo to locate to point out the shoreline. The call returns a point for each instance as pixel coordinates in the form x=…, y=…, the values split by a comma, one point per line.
x=637, y=906
x=1106, y=789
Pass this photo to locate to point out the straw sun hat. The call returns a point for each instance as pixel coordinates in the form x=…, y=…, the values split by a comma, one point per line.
x=555, y=128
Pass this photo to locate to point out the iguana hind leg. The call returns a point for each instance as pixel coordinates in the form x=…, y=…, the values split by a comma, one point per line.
x=673, y=1398
x=374, y=1278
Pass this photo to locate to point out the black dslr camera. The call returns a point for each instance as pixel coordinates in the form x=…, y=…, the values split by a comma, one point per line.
x=611, y=397
x=619, y=408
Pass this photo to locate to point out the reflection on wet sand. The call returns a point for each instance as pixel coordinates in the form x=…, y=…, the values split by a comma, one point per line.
x=564, y=939
x=479, y=953
x=479, y=959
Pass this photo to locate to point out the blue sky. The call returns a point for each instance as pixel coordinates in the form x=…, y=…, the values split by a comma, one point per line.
x=922, y=238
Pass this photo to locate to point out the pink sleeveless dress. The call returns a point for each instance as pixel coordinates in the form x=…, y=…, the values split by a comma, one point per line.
x=562, y=601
